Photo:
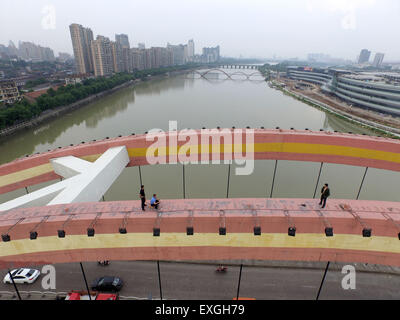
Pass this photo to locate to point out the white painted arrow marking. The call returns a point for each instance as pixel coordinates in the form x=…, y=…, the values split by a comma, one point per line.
x=86, y=181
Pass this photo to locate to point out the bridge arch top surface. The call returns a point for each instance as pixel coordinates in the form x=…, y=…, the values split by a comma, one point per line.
x=213, y=70
x=205, y=216
x=328, y=147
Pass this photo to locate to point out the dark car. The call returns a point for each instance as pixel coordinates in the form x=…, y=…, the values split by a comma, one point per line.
x=113, y=284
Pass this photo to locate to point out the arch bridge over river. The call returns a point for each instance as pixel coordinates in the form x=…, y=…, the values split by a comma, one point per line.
x=239, y=75
x=208, y=229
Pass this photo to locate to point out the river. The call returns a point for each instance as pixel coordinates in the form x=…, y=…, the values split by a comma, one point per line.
x=194, y=103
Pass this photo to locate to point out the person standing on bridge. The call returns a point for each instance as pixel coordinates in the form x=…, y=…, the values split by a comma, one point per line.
x=142, y=196
x=325, y=193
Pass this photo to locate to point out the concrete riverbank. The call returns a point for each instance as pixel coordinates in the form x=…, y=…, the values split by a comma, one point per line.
x=377, y=127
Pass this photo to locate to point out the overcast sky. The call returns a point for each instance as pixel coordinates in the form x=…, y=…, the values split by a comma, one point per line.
x=251, y=28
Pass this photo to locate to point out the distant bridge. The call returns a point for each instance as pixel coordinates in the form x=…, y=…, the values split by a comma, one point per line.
x=255, y=76
x=239, y=66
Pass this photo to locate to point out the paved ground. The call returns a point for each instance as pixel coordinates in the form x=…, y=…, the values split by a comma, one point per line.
x=198, y=281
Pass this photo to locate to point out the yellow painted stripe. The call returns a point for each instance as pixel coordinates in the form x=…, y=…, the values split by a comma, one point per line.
x=330, y=150
x=25, y=174
x=283, y=148
x=91, y=158
x=35, y=172
x=295, y=148
x=240, y=240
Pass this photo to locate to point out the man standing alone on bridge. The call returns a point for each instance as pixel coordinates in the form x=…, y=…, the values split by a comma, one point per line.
x=142, y=196
x=325, y=193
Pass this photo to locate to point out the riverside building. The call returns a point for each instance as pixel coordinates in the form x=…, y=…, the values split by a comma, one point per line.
x=377, y=91
x=9, y=92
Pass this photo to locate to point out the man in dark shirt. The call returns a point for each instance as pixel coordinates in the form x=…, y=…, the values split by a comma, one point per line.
x=142, y=196
x=325, y=193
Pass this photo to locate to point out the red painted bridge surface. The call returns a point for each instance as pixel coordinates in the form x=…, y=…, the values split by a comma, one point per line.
x=328, y=147
x=239, y=216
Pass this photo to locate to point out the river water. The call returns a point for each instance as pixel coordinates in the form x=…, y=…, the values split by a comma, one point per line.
x=194, y=103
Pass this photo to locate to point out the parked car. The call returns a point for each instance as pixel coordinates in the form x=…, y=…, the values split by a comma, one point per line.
x=107, y=284
x=22, y=275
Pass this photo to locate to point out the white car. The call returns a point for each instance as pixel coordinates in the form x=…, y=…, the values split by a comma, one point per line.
x=22, y=275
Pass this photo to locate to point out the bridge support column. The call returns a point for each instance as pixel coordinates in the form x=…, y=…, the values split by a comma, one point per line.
x=319, y=176
x=362, y=183
x=273, y=179
x=323, y=280
x=84, y=278
x=140, y=176
x=183, y=181
x=229, y=178
x=15, y=286
x=240, y=278
x=159, y=279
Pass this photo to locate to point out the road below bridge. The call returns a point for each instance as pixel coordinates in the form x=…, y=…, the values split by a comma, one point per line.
x=185, y=281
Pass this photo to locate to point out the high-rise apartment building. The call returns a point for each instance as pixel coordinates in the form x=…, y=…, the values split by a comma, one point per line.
x=185, y=53
x=149, y=60
x=141, y=46
x=31, y=52
x=364, y=56
x=81, y=42
x=127, y=60
x=46, y=54
x=3, y=49
x=378, y=60
x=123, y=40
x=102, y=53
x=178, y=52
x=191, y=50
x=117, y=57
x=137, y=59
x=211, y=55
x=12, y=49
x=162, y=57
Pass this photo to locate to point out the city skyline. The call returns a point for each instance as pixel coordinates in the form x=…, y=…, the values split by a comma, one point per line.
x=286, y=29
x=103, y=57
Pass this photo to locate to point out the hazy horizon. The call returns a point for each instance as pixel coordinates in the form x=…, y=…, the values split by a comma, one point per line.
x=251, y=29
